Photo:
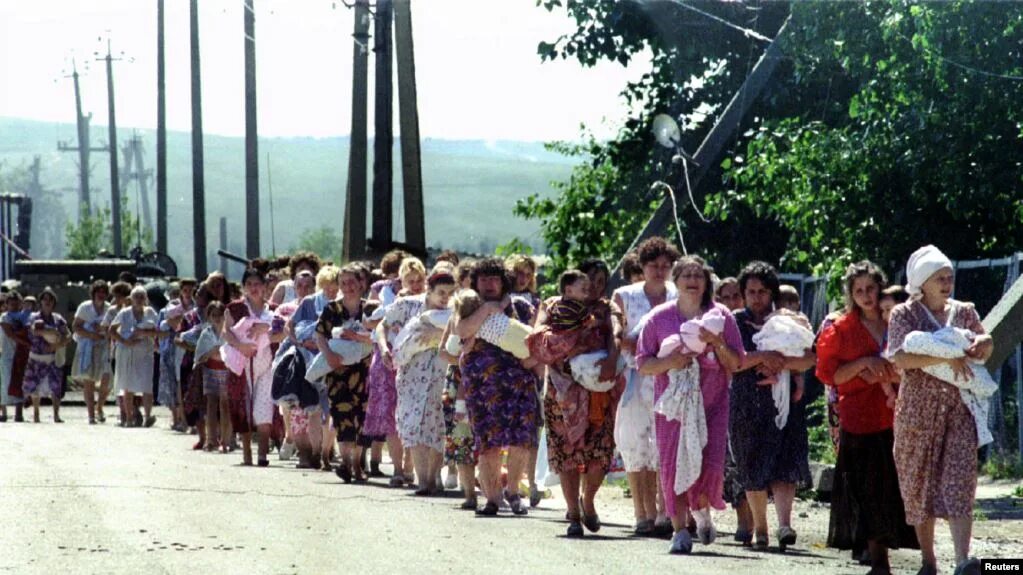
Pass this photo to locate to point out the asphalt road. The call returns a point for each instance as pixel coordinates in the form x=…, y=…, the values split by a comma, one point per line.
x=76, y=498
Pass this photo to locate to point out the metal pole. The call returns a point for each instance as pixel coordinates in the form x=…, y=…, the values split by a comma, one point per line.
x=115, y=183
x=252, y=248
x=383, y=138
x=84, y=204
x=198, y=183
x=4, y=205
x=411, y=164
x=161, y=135
x=9, y=222
x=354, y=233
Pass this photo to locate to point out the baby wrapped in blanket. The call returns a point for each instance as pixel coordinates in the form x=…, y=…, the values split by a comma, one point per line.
x=420, y=334
x=950, y=343
x=351, y=352
x=232, y=357
x=789, y=334
x=506, y=333
x=682, y=400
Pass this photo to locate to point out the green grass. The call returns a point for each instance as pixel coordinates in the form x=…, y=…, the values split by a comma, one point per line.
x=1003, y=466
x=1018, y=492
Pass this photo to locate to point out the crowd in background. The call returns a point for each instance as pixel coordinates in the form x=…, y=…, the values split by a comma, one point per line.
x=693, y=384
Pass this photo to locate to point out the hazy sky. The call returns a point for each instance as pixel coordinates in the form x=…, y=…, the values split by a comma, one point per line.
x=478, y=73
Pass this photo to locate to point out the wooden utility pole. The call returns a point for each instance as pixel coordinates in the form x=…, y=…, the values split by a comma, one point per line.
x=83, y=148
x=115, y=183
x=354, y=233
x=252, y=249
x=198, y=182
x=135, y=170
x=223, y=244
x=411, y=164
x=714, y=144
x=383, y=130
x=161, y=135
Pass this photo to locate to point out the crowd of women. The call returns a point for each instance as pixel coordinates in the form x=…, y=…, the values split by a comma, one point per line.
x=693, y=384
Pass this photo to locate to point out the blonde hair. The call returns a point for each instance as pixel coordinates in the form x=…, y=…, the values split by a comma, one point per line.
x=411, y=266
x=327, y=275
x=519, y=262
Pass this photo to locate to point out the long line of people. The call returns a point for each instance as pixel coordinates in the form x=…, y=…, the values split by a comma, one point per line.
x=694, y=385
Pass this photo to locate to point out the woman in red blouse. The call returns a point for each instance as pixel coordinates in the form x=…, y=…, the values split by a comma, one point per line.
x=866, y=507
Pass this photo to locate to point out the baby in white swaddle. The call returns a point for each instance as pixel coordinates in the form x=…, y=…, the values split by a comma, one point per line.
x=505, y=332
x=789, y=334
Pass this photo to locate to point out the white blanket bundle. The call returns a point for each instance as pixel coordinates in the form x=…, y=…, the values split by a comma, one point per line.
x=787, y=335
x=351, y=352
x=586, y=370
x=411, y=340
x=952, y=342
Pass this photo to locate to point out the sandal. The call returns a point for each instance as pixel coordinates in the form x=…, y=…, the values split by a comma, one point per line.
x=515, y=501
x=396, y=481
x=197, y=446
x=469, y=504
x=263, y=463
x=644, y=527
x=489, y=510
x=786, y=537
x=575, y=529
x=761, y=542
x=150, y=421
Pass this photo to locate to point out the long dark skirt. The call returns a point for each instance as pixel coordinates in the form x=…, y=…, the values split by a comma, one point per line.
x=865, y=500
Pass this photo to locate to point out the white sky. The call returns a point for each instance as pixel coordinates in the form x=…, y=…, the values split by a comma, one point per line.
x=479, y=76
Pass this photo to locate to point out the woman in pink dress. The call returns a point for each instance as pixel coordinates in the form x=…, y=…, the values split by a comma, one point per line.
x=722, y=356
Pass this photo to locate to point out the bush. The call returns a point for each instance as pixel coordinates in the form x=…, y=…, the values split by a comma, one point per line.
x=822, y=449
x=1003, y=466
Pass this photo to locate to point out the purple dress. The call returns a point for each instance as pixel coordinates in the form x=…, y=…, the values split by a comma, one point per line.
x=381, y=388
x=500, y=395
x=42, y=375
x=663, y=321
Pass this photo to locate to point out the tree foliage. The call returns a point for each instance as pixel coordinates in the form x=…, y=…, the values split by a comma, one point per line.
x=323, y=241
x=888, y=125
x=94, y=233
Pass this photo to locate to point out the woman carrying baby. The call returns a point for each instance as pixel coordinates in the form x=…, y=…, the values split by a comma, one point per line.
x=580, y=420
x=134, y=329
x=936, y=436
x=420, y=381
x=249, y=388
x=716, y=347
x=346, y=384
x=766, y=456
x=48, y=333
x=866, y=506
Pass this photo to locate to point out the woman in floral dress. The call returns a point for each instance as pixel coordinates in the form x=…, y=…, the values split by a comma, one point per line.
x=48, y=332
x=420, y=382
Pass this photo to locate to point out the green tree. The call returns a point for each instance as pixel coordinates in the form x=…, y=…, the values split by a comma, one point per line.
x=93, y=233
x=323, y=241
x=889, y=124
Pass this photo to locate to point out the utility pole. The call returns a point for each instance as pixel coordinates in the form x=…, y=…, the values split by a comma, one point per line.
x=354, y=233
x=251, y=137
x=198, y=182
x=135, y=170
x=161, y=135
x=383, y=129
x=115, y=184
x=83, y=148
x=411, y=164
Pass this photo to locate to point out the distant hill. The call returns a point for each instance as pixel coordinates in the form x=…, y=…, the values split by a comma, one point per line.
x=470, y=187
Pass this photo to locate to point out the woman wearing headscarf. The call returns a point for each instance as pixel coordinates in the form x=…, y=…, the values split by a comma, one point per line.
x=134, y=329
x=936, y=434
x=866, y=506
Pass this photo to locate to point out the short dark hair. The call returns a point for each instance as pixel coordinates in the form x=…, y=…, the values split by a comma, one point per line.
x=98, y=285
x=448, y=256
x=441, y=278
x=569, y=277
x=120, y=289
x=655, y=247
x=594, y=265
x=725, y=282
x=298, y=259
x=788, y=294
x=630, y=266
x=48, y=292
x=14, y=295
x=391, y=262
x=707, y=299
x=491, y=267
x=214, y=306
x=896, y=292
x=128, y=278
x=858, y=270
x=764, y=273
x=188, y=282
x=253, y=273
